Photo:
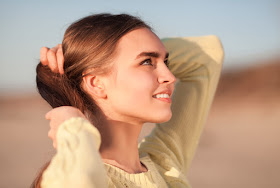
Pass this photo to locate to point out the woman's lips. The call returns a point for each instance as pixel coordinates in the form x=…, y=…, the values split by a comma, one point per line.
x=164, y=96
x=168, y=100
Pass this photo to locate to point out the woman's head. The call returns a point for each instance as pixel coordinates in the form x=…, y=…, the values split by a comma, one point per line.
x=140, y=72
x=95, y=49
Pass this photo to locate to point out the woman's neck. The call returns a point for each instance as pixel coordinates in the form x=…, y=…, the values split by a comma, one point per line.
x=119, y=145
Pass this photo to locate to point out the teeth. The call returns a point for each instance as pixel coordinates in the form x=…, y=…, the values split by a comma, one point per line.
x=162, y=96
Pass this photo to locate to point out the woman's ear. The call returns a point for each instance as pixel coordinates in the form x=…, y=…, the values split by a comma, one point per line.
x=94, y=86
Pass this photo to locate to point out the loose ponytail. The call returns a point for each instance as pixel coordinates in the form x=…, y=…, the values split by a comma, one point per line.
x=52, y=87
x=58, y=90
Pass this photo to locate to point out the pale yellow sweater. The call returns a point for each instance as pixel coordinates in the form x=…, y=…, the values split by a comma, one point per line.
x=168, y=151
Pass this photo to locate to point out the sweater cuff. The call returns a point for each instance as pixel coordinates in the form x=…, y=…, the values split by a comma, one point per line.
x=76, y=125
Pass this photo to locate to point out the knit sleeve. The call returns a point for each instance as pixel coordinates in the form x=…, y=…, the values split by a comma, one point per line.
x=196, y=62
x=77, y=162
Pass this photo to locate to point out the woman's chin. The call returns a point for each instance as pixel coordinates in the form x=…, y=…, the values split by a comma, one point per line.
x=162, y=118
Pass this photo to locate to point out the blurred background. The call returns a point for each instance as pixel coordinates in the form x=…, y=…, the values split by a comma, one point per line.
x=240, y=145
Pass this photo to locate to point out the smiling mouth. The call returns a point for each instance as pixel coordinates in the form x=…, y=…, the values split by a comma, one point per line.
x=163, y=97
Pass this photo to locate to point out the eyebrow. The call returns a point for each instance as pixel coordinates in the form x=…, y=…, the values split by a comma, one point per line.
x=150, y=54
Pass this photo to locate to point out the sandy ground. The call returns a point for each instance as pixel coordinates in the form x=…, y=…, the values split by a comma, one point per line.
x=240, y=146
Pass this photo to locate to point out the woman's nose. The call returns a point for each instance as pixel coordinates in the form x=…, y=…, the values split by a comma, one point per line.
x=165, y=76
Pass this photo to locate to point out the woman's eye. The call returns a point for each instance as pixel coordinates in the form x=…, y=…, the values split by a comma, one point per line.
x=166, y=62
x=147, y=62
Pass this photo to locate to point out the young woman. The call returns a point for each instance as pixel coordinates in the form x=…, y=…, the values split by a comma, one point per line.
x=117, y=74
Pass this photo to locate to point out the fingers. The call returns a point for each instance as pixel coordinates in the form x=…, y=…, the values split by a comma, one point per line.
x=48, y=115
x=52, y=62
x=57, y=116
x=52, y=131
x=52, y=137
x=43, y=55
x=53, y=58
x=50, y=134
x=60, y=59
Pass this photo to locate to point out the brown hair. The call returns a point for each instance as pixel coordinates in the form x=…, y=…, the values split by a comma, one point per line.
x=89, y=44
x=37, y=181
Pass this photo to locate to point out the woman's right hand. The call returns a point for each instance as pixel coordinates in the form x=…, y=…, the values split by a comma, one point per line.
x=53, y=58
x=57, y=116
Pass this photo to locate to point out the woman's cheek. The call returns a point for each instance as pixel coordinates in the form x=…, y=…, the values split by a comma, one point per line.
x=137, y=85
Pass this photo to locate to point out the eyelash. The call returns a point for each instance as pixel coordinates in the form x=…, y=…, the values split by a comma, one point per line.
x=166, y=62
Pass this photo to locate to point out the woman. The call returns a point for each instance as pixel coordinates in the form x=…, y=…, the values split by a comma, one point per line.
x=115, y=71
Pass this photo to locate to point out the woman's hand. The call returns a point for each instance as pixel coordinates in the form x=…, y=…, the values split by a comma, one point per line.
x=57, y=116
x=53, y=58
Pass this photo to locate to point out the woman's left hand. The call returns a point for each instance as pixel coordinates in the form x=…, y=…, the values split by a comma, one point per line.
x=57, y=116
x=53, y=58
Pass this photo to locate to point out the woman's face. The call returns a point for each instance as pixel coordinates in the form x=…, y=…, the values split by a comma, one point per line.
x=140, y=73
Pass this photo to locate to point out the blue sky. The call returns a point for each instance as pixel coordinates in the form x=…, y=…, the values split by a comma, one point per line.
x=249, y=30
